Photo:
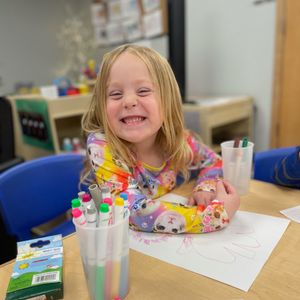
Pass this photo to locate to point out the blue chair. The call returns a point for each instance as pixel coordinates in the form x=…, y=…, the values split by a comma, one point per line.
x=38, y=191
x=265, y=161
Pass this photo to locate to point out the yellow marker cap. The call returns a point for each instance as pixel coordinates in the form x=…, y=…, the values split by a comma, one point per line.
x=119, y=201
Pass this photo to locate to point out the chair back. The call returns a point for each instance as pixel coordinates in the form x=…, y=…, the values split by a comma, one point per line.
x=264, y=162
x=37, y=191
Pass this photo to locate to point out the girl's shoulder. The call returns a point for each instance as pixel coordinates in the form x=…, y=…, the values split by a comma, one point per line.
x=193, y=139
x=96, y=138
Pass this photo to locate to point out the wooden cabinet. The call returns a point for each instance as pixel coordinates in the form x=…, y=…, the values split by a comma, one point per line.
x=64, y=118
x=286, y=96
x=220, y=119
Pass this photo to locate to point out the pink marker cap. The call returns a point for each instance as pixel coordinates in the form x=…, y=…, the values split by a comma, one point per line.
x=86, y=198
x=76, y=212
x=108, y=201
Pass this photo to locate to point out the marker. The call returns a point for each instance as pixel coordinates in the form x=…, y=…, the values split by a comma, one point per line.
x=108, y=262
x=125, y=198
x=117, y=246
x=79, y=217
x=86, y=200
x=238, y=160
x=105, y=192
x=96, y=194
x=236, y=143
x=245, y=142
x=118, y=210
x=91, y=216
x=101, y=250
x=76, y=204
x=103, y=214
x=80, y=195
x=90, y=245
x=109, y=202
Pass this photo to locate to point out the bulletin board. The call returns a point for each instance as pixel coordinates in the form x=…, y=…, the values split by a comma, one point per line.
x=121, y=21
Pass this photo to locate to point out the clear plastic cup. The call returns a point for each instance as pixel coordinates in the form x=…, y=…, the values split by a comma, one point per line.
x=237, y=165
x=105, y=255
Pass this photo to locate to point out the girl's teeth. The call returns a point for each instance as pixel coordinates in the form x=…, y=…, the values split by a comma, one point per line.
x=133, y=120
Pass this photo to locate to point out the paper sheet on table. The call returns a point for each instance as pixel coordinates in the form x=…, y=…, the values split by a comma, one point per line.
x=234, y=255
x=292, y=213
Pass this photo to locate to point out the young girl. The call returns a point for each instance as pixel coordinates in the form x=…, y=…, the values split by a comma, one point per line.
x=137, y=143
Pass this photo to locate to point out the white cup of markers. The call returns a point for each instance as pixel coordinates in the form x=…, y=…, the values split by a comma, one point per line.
x=237, y=156
x=103, y=233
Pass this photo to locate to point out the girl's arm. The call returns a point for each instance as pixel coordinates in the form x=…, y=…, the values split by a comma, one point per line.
x=209, y=166
x=149, y=214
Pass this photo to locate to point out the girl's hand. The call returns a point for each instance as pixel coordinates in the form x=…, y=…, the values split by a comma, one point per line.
x=226, y=192
x=201, y=198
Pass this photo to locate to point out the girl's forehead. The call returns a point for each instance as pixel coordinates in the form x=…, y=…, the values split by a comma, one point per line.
x=128, y=66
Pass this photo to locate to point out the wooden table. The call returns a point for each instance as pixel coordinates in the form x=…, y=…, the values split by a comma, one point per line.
x=151, y=278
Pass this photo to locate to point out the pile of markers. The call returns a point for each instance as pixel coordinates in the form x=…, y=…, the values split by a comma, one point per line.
x=102, y=229
x=100, y=209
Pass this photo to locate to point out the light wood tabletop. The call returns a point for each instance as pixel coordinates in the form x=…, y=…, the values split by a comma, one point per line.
x=151, y=278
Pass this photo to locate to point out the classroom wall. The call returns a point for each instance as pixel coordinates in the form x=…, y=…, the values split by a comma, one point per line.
x=230, y=48
x=28, y=39
x=230, y=51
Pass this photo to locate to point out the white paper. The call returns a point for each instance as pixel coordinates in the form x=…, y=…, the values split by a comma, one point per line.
x=234, y=255
x=100, y=35
x=152, y=24
x=132, y=29
x=114, y=33
x=292, y=213
x=98, y=14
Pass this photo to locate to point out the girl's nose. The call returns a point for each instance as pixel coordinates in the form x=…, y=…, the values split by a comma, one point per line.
x=130, y=101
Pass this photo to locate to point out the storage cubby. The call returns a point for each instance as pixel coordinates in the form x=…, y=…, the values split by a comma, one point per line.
x=63, y=120
x=220, y=119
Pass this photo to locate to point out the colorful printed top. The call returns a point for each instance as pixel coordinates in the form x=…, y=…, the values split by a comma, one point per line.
x=146, y=183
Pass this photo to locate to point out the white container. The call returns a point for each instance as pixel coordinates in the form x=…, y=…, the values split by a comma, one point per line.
x=105, y=255
x=237, y=165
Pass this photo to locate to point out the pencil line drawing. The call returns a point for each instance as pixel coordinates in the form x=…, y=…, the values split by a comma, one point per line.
x=224, y=247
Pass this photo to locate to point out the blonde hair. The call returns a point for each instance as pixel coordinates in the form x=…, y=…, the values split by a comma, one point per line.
x=171, y=137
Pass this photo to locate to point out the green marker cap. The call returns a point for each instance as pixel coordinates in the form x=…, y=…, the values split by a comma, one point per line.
x=104, y=208
x=245, y=142
x=76, y=203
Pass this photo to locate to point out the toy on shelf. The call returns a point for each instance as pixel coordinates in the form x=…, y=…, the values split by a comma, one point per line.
x=91, y=70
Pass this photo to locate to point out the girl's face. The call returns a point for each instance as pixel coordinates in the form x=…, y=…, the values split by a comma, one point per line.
x=132, y=101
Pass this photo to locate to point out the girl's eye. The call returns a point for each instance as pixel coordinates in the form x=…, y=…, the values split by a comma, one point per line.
x=144, y=92
x=115, y=95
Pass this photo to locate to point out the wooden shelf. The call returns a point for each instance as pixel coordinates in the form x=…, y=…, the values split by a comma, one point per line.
x=220, y=119
x=64, y=114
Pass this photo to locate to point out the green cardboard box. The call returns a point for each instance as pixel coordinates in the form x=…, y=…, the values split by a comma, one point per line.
x=38, y=270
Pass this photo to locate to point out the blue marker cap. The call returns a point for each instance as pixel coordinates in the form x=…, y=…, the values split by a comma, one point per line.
x=124, y=196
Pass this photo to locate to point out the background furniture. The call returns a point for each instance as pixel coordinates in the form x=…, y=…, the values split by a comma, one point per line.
x=265, y=161
x=38, y=191
x=7, y=144
x=151, y=278
x=220, y=119
x=64, y=115
x=286, y=88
